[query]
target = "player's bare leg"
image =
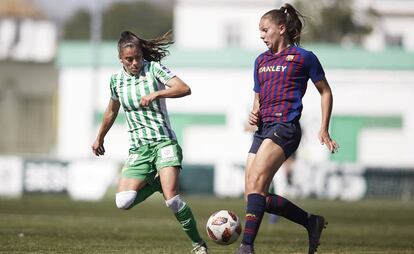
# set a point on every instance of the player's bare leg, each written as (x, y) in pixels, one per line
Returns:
(170, 182)
(259, 174)
(132, 191)
(126, 184)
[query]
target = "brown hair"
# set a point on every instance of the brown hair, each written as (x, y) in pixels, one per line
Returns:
(152, 49)
(287, 15)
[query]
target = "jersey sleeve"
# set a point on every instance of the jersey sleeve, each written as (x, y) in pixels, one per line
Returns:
(112, 85)
(316, 72)
(162, 73)
(256, 87)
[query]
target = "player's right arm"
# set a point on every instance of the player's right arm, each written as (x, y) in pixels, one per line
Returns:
(108, 119)
(254, 114)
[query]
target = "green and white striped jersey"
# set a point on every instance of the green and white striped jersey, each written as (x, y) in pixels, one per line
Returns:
(146, 124)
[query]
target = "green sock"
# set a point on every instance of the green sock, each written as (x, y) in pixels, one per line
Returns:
(188, 223)
(146, 191)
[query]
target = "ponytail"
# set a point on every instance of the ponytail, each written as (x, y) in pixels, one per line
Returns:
(292, 19)
(152, 49)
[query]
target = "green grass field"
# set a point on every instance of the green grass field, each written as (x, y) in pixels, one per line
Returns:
(55, 224)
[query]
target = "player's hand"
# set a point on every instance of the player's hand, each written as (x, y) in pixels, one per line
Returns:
(98, 148)
(325, 139)
(147, 99)
(254, 117)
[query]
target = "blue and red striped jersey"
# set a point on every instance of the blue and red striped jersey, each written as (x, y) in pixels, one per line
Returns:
(281, 81)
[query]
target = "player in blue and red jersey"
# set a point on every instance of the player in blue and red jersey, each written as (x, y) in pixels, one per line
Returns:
(280, 80)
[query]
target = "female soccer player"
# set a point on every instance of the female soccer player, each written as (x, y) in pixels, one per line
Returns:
(155, 157)
(280, 79)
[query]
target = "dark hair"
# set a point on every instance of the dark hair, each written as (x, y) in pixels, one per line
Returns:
(287, 15)
(152, 49)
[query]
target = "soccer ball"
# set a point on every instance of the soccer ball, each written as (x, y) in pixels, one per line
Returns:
(223, 227)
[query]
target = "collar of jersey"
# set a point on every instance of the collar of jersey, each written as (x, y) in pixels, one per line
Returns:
(269, 52)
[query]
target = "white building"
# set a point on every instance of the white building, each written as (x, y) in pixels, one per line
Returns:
(216, 24)
(394, 24)
(28, 79)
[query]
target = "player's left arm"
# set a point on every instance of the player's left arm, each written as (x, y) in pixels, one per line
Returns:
(177, 88)
(326, 106)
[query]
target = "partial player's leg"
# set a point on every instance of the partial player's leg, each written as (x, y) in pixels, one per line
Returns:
(137, 181)
(168, 164)
(279, 205)
(133, 191)
(273, 218)
(259, 174)
(169, 183)
(128, 192)
(314, 224)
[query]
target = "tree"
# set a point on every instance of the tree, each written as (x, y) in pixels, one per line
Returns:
(77, 28)
(333, 21)
(143, 18)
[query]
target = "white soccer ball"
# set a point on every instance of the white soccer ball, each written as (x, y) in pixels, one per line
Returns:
(223, 227)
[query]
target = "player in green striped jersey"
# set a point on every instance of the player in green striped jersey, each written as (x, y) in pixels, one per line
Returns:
(155, 157)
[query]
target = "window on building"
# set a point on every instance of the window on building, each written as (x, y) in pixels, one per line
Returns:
(393, 40)
(232, 35)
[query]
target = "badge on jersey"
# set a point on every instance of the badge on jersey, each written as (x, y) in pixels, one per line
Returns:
(290, 57)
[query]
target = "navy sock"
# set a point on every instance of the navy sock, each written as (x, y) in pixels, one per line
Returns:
(281, 206)
(254, 213)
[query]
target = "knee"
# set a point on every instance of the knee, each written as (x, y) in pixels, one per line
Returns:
(256, 182)
(175, 203)
(125, 199)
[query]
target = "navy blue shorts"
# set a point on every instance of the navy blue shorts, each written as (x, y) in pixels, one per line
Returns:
(286, 135)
